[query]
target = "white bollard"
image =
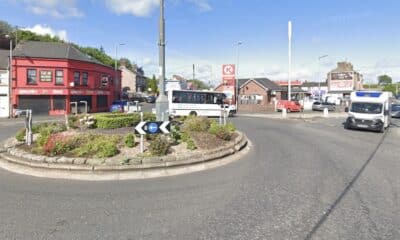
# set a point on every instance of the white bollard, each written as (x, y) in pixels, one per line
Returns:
(326, 112)
(284, 113)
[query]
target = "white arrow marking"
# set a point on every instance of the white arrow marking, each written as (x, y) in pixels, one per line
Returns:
(139, 128)
(163, 127)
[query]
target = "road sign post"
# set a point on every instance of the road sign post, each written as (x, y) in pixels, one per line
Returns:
(155, 127)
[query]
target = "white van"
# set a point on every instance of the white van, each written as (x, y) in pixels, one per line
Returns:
(369, 110)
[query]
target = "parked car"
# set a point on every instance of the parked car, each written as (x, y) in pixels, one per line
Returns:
(320, 106)
(290, 106)
(396, 110)
(118, 106)
(151, 99)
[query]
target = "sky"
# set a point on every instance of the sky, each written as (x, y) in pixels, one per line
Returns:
(206, 33)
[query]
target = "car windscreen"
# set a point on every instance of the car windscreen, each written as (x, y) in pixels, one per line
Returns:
(368, 108)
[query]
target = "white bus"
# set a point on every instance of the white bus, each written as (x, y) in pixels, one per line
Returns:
(197, 103)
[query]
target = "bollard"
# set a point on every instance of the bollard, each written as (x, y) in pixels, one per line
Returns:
(326, 112)
(141, 135)
(284, 113)
(220, 117)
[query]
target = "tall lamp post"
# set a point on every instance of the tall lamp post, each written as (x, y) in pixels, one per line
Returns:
(162, 100)
(237, 75)
(319, 80)
(10, 69)
(290, 59)
(116, 63)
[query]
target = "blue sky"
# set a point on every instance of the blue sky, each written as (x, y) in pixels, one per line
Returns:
(204, 33)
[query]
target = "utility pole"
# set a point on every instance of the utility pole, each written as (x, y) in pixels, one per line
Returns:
(162, 100)
(237, 76)
(290, 59)
(318, 73)
(10, 69)
(116, 82)
(194, 72)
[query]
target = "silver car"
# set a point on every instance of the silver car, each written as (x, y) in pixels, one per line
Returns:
(396, 110)
(320, 106)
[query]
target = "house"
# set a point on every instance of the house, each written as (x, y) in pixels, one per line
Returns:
(4, 87)
(51, 78)
(132, 80)
(344, 79)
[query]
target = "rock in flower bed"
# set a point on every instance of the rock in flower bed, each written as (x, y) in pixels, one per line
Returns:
(111, 138)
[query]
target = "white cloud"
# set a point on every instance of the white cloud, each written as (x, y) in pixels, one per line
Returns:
(139, 8)
(43, 30)
(203, 5)
(147, 61)
(53, 8)
(143, 8)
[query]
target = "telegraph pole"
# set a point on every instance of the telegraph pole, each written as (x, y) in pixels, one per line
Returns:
(290, 59)
(162, 100)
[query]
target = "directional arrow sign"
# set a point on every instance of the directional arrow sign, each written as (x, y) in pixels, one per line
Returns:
(153, 127)
(139, 128)
(165, 127)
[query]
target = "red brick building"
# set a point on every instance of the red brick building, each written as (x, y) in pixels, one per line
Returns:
(48, 77)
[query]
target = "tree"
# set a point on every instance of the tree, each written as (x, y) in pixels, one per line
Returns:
(390, 88)
(128, 63)
(5, 28)
(198, 84)
(384, 80)
(152, 83)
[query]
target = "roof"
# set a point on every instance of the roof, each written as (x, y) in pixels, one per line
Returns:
(52, 50)
(314, 84)
(4, 59)
(265, 82)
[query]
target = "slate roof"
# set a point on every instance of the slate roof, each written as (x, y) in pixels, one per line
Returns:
(314, 84)
(262, 81)
(4, 59)
(52, 50)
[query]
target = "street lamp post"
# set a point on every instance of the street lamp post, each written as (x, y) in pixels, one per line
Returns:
(237, 75)
(116, 64)
(162, 100)
(10, 69)
(290, 59)
(319, 80)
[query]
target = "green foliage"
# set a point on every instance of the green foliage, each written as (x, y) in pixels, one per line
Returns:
(190, 144)
(5, 28)
(129, 140)
(196, 124)
(153, 84)
(231, 127)
(384, 79)
(175, 134)
(116, 120)
(98, 55)
(198, 84)
(26, 35)
(45, 130)
(223, 132)
(58, 144)
(73, 121)
(159, 146)
(20, 136)
(101, 146)
(390, 88)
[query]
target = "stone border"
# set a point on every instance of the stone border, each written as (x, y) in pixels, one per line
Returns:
(19, 161)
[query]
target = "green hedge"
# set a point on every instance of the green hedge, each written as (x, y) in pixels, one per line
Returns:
(119, 120)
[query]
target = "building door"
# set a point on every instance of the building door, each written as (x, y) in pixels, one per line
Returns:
(40, 105)
(4, 105)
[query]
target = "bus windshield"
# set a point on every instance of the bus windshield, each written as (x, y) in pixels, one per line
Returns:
(368, 108)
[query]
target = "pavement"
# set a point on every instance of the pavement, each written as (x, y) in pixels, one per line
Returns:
(303, 179)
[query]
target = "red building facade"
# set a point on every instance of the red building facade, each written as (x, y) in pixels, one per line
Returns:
(54, 86)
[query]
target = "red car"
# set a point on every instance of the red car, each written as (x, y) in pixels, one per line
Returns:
(290, 106)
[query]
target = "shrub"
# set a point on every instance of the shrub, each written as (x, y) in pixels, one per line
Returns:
(97, 145)
(231, 127)
(175, 134)
(148, 116)
(58, 144)
(112, 121)
(196, 124)
(159, 146)
(221, 131)
(20, 136)
(72, 121)
(188, 140)
(46, 130)
(129, 140)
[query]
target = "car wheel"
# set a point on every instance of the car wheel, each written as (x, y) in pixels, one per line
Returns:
(193, 113)
(288, 110)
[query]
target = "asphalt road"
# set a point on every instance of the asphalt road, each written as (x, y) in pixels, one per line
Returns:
(302, 180)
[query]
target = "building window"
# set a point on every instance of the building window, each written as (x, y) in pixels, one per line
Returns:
(59, 77)
(77, 78)
(31, 76)
(84, 79)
